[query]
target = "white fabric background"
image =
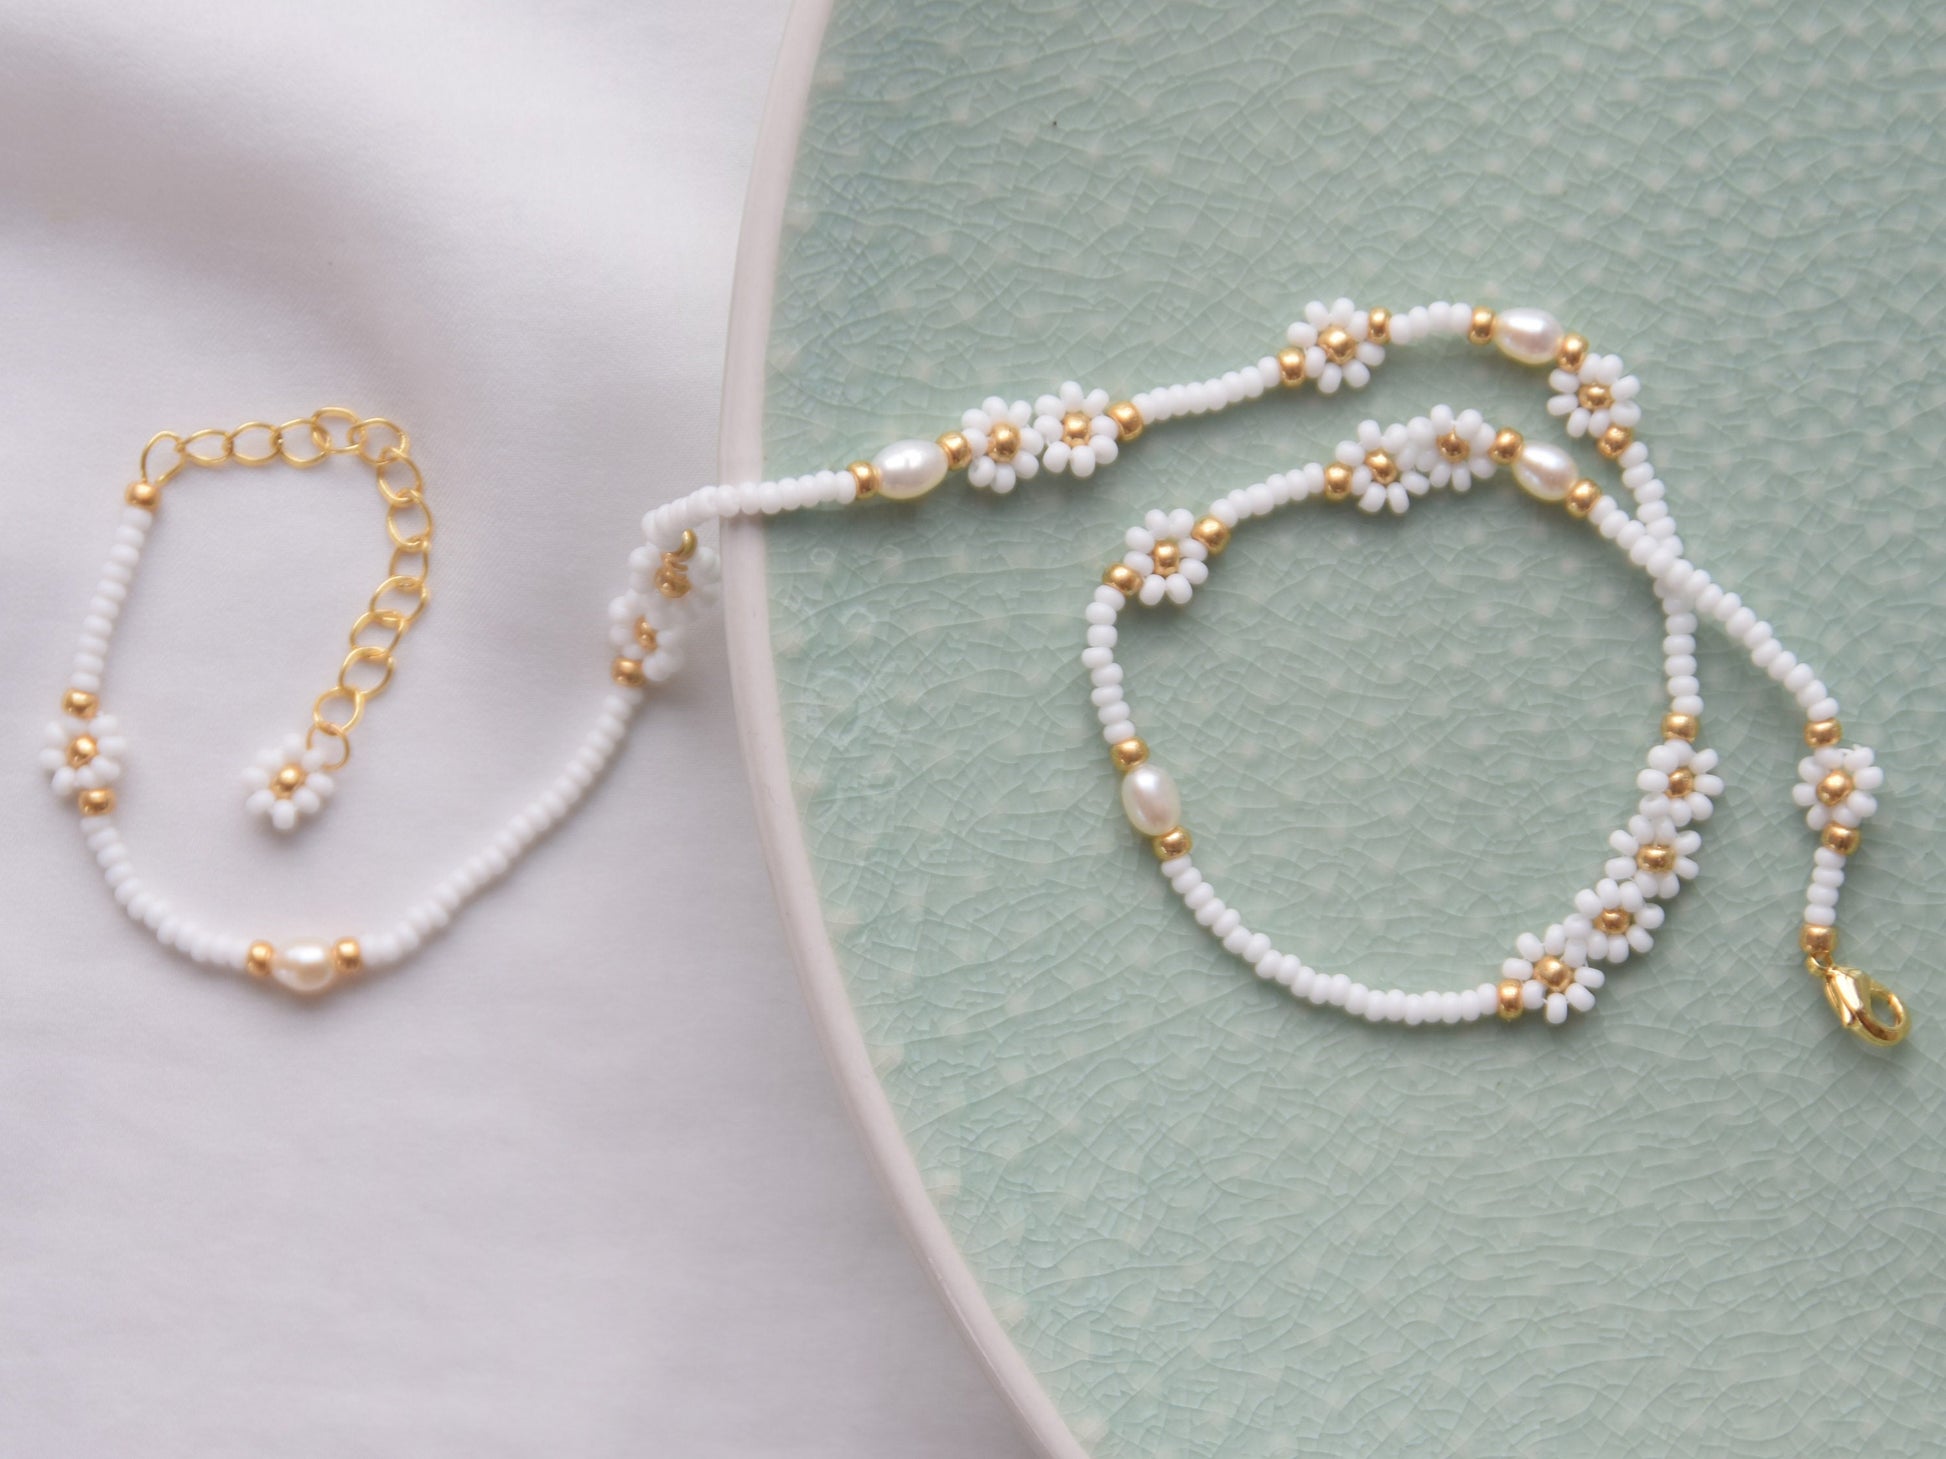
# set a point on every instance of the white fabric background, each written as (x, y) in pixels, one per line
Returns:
(576, 1181)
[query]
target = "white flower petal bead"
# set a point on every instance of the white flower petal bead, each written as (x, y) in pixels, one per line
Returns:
(908, 470)
(1150, 799)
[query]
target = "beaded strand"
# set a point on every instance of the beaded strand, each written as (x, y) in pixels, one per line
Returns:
(1001, 444)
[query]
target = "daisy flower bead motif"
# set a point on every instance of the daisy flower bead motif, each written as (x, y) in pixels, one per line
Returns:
(82, 754)
(1835, 786)
(1337, 344)
(1551, 972)
(1171, 562)
(1005, 443)
(287, 783)
(1595, 397)
(1654, 854)
(1383, 467)
(1613, 919)
(646, 636)
(1457, 449)
(1077, 432)
(1680, 783)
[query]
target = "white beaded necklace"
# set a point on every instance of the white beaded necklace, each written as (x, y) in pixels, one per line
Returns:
(1168, 558)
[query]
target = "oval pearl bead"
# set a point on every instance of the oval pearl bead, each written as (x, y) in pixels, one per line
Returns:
(908, 469)
(1527, 335)
(1150, 799)
(1546, 471)
(304, 967)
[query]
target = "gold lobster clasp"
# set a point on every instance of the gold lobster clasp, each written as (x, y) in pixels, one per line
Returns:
(1864, 1006)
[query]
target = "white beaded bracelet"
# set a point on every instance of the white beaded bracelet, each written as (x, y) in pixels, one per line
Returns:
(999, 445)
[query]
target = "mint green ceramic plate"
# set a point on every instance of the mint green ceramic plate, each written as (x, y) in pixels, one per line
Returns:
(1185, 1215)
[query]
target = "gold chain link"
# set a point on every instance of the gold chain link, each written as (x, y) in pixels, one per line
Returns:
(397, 603)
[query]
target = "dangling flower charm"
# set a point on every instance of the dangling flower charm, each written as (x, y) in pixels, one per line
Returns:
(1595, 397)
(1078, 432)
(1835, 786)
(287, 784)
(1337, 344)
(1006, 446)
(1171, 563)
(82, 754)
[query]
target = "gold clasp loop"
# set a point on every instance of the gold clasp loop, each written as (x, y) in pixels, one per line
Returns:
(1864, 1006)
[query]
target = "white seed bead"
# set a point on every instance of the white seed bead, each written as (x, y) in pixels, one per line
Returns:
(1150, 799)
(909, 469)
(1546, 471)
(1527, 335)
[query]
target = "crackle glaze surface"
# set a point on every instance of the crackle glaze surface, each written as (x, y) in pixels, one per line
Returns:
(1215, 1222)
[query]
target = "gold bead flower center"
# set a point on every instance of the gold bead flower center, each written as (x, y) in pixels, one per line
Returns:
(285, 782)
(1833, 789)
(1003, 441)
(1074, 428)
(1168, 558)
(1384, 469)
(1453, 446)
(82, 749)
(1338, 345)
(1682, 781)
(1594, 396)
(1553, 973)
(1656, 857)
(1614, 921)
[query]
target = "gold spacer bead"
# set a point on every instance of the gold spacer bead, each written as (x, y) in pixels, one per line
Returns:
(1833, 789)
(97, 802)
(258, 961)
(1818, 942)
(1572, 352)
(1123, 579)
(1553, 974)
(1822, 734)
(1128, 420)
(1509, 999)
(347, 956)
(1337, 481)
(1480, 331)
(1614, 441)
(82, 749)
(1581, 498)
(1003, 441)
(1378, 325)
(1841, 839)
(1213, 533)
(1290, 365)
(1506, 445)
(1656, 857)
(1682, 781)
(628, 673)
(80, 703)
(670, 580)
(867, 477)
(959, 452)
(1384, 469)
(1171, 844)
(1679, 726)
(1168, 558)
(1127, 754)
(1339, 344)
(645, 635)
(144, 494)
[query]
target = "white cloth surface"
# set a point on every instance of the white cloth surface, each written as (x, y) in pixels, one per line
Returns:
(575, 1181)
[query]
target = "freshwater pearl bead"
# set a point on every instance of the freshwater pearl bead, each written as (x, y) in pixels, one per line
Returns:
(1527, 335)
(1150, 799)
(304, 967)
(1545, 471)
(909, 469)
